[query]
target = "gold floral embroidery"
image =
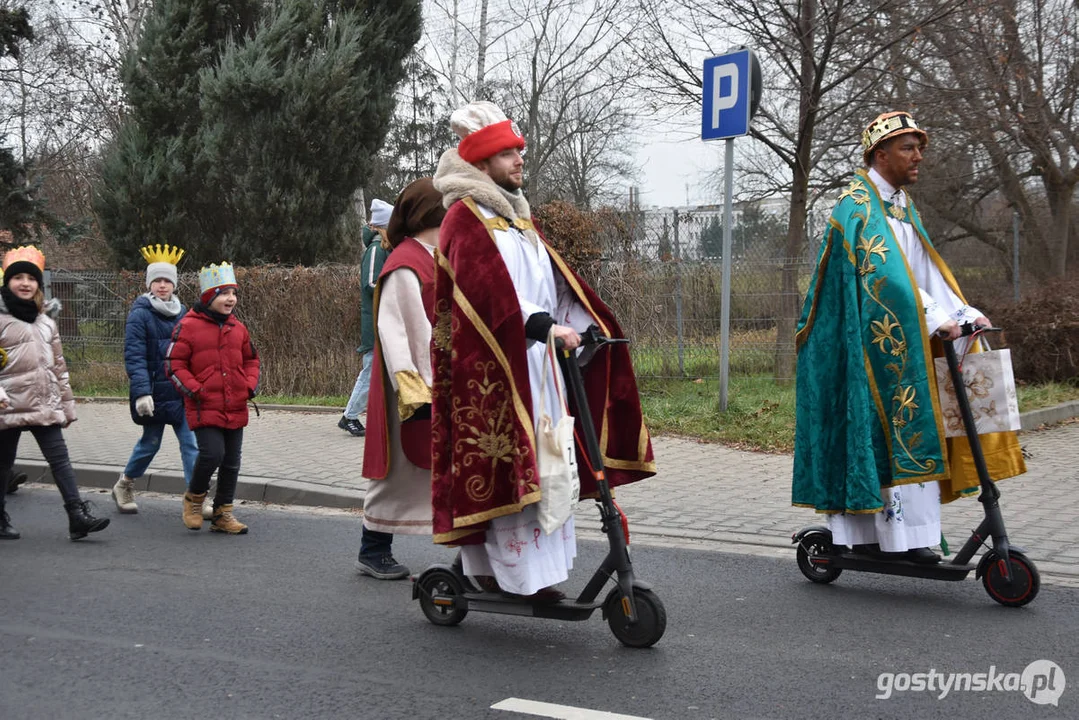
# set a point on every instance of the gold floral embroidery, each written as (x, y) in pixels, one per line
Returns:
(856, 191)
(486, 435)
(890, 339)
(441, 332)
(870, 247)
(883, 334)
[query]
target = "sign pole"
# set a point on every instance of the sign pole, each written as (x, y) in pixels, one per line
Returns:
(725, 316)
(731, 90)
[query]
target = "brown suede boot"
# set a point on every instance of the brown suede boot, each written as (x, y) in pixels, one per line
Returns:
(193, 510)
(225, 522)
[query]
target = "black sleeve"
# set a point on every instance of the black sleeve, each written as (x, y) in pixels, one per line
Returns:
(538, 326)
(423, 412)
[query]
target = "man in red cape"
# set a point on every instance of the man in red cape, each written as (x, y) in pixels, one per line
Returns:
(500, 291)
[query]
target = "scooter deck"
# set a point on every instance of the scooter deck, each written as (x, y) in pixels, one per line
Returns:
(498, 603)
(906, 568)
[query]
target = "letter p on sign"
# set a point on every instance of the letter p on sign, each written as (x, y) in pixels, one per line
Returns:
(721, 101)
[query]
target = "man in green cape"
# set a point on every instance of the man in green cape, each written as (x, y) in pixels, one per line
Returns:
(870, 448)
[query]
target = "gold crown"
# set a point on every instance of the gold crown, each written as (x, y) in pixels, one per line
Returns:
(24, 253)
(887, 125)
(155, 254)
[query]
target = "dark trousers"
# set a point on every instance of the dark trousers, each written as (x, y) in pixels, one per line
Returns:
(219, 449)
(50, 438)
(374, 543)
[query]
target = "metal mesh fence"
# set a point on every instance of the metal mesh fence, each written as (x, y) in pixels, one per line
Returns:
(94, 307)
(666, 289)
(661, 273)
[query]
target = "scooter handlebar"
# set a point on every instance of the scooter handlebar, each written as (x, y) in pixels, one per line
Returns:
(968, 329)
(592, 336)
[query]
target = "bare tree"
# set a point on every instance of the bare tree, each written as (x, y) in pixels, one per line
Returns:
(999, 86)
(824, 64)
(61, 98)
(559, 68)
(567, 82)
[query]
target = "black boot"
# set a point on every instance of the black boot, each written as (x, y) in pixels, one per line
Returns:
(80, 521)
(14, 480)
(6, 531)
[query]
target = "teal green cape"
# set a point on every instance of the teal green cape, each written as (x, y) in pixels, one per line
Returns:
(868, 412)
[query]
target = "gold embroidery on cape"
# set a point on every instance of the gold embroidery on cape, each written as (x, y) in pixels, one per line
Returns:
(442, 332)
(890, 340)
(462, 302)
(486, 435)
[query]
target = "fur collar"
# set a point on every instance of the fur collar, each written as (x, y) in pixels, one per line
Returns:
(457, 179)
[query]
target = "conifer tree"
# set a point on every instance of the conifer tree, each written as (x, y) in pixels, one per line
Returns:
(20, 209)
(151, 189)
(294, 118)
(249, 135)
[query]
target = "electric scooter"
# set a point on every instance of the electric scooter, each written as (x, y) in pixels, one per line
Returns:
(633, 611)
(1007, 574)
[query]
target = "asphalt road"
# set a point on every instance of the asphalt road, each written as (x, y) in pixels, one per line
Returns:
(149, 620)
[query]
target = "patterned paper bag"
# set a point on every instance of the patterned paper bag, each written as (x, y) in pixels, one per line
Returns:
(990, 389)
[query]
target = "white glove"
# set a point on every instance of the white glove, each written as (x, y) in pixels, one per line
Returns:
(3, 399)
(145, 405)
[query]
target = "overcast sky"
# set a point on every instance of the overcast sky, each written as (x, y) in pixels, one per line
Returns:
(675, 170)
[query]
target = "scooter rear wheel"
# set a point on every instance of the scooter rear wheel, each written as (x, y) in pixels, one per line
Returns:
(1025, 580)
(651, 618)
(438, 590)
(817, 545)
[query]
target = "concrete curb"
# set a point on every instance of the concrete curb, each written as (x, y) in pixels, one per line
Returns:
(276, 491)
(1032, 419)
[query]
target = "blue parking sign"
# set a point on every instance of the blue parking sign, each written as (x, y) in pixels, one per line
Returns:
(727, 95)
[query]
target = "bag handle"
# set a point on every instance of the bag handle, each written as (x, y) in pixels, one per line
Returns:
(558, 384)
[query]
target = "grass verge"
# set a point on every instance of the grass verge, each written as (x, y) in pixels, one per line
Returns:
(760, 413)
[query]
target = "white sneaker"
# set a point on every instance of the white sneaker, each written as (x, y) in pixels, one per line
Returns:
(123, 492)
(208, 509)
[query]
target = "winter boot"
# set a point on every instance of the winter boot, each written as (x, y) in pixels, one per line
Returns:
(80, 520)
(6, 531)
(193, 510)
(14, 481)
(123, 492)
(225, 522)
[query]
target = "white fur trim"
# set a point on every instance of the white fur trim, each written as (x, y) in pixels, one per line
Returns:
(475, 116)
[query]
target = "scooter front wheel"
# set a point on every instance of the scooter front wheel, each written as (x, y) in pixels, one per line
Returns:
(438, 593)
(1024, 584)
(814, 553)
(651, 618)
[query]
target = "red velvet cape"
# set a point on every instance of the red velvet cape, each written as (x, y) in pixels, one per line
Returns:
(483, 436)
(411, 255)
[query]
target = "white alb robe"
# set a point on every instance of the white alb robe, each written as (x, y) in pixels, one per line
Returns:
(911, 515)
(522, 558)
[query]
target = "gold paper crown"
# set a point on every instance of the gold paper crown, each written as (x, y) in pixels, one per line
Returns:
(213, 276)
(889, 125)
(155, 254)
(25, 253)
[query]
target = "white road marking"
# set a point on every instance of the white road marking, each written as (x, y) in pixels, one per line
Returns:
(560, 712)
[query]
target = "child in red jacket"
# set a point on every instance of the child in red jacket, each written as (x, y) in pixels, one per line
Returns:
(213, 363)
